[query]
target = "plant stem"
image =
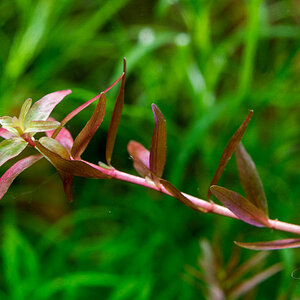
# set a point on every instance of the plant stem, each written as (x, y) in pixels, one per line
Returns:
(205, 205)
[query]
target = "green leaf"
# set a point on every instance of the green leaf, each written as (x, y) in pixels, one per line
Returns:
(54, 146)
(41, 126)
(240, 206)
(271, 245)
(74, 167)
(24, 110)
(250, 179)
(84, 137)
(140, 156)
(159, 143)
(229, 149)
(11, 148)
(178, 195)
(41, 110)
(115, 119)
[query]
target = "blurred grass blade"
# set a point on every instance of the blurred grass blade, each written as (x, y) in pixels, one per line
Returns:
(115, 119)
(9, 176)
(240, 206)
(140, 156)
(159, 143)
(67, 180)
(41, 110)
(83, 138)
(11, 148)
(54, 146)
(74, 167)
(229, 149)
(178, 195)
(271, 245)
(250, 179)
(250, 283)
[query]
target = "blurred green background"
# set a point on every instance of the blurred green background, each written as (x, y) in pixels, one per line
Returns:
(205, 64)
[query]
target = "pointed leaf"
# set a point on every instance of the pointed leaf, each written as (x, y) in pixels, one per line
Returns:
(9, 176)
(115, 119)
(240, 206)
(6, 134)
(54, 146)
(250, 179)
(178, 195)
(255, 280)
(41, 110)
(271, 245)
(159, 143)
(11, 148)
(24, 110)
(74, 167)
(84, 137)
(67, 180)
(64, 137)
(6, 121)
(41, 126)
(140, 156)
(229, 149)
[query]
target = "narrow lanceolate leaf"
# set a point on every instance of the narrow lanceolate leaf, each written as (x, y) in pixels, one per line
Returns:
(84, 137)
(54, 146)
(240, 206)
(229, 149)
(64, 137)
(271, 245)
(24, 110)
(140, 156)
(9, 176)
(41, 126)
(178, 195)
(74, 167)
(41, 110)
(6, 134)
(11, 148)
(115, 119)
(250, 179)
(159, 143)
(67, 181)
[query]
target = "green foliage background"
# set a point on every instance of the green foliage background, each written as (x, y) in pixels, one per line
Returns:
(205, 64)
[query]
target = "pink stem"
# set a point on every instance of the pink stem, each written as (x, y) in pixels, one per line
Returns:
(208, 206)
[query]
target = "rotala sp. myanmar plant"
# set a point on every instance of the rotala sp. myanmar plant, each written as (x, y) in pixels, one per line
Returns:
(64, 153)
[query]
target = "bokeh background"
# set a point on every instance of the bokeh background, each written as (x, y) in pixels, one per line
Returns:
(205, 64)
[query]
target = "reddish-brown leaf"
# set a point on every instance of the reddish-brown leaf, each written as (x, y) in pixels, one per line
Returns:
(115, 119)
(229, 149)
(159, 143)
(178, 195)
(83, 138)
(74, 167)
(271, 245)
(240, 206)
(67, 180)
(250, 179)
(140, 156)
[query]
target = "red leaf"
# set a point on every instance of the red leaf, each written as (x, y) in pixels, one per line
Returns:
(271, 245)
(159, 143)
(115, 119)
(178, 195)
(9, 176)
(67, 180)
(84, 137)
(74, 167)
(6, 134)
(250, 179)
(140, 156)
(229, 149)
(240, 206)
